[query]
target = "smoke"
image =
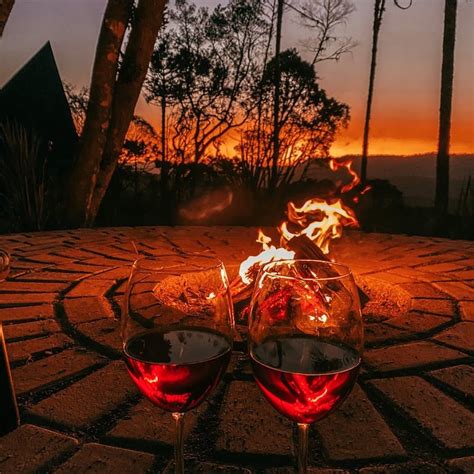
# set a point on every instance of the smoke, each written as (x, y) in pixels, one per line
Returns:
(207, 206)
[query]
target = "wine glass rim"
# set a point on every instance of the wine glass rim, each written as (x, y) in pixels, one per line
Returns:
(184, 267)
(346, 270)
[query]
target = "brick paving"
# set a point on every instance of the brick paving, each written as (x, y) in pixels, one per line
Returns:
(410, 412)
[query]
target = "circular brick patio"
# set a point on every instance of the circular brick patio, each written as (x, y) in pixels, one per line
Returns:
(411, 411)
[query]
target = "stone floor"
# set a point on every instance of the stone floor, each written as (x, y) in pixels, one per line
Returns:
(410, 412)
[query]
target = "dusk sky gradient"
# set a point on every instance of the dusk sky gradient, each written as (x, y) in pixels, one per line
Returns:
(406, 101)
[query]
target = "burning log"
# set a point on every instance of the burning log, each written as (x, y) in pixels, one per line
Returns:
(305, 235)
(301, 247)
(305, 248)
(241, 291)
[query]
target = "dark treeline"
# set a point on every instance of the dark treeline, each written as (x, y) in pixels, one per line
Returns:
(214, 78)
(241, 119)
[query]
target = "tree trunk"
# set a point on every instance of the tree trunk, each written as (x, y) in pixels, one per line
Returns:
(166, 207)
(258, 161)
(447, 73)
(93, 139)
(379, 8)
(163, 127)
(276, 101)
(147, 22)
(5, 10)
(196, 151)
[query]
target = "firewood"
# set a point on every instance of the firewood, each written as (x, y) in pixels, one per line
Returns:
(305, 249)
(240, 291)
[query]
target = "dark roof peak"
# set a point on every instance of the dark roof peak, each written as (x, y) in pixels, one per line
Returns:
(35, 97)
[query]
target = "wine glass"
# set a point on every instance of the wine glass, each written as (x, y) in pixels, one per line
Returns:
(177, 332)
(305, 340)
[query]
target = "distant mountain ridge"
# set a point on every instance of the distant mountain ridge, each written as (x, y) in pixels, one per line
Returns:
(423, 164)
(414, 175)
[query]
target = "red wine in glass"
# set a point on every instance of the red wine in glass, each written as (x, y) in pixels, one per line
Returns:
(302, 377)
(177, 332)
(177, 369)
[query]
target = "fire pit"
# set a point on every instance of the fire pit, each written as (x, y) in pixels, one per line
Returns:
(79, 410)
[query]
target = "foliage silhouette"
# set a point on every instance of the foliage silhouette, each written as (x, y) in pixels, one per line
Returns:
(23, 157)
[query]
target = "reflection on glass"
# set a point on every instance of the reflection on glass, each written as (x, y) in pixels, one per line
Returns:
(305, 340)
(177, 332)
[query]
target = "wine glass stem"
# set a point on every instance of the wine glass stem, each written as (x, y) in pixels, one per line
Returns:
(302, 447)
(178, 447)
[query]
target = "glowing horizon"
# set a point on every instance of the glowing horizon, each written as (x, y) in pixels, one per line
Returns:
(406, 100)
(396, 147)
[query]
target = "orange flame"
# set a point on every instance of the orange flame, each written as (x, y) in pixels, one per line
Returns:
(338, 163)
(263, 239)
(319, 219)
(322, 221)
(269, 254)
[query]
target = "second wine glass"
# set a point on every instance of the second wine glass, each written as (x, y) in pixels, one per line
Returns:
(305, 340)
(177, 331)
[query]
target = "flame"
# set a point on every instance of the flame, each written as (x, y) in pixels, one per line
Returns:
(331, 218)
(269, 254)
(339, 163)
(264, 240)
(321, 220)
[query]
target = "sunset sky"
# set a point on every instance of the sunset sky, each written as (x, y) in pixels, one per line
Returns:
(405, 113)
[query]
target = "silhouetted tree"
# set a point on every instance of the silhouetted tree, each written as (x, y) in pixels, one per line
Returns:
(307, 120)
(201, 71)
(447, 73)
(106, 64)
(114, 92)
(276, 98)
(77, 100)
(321, 17)
(159, 86)
(379, 9)
(269, 11)
(160, 91)
(5, 9)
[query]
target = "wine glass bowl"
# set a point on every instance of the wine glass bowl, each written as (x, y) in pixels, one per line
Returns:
(177, 331)
(305, 339)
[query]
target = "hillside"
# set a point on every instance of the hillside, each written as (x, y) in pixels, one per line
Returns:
(414, 175)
